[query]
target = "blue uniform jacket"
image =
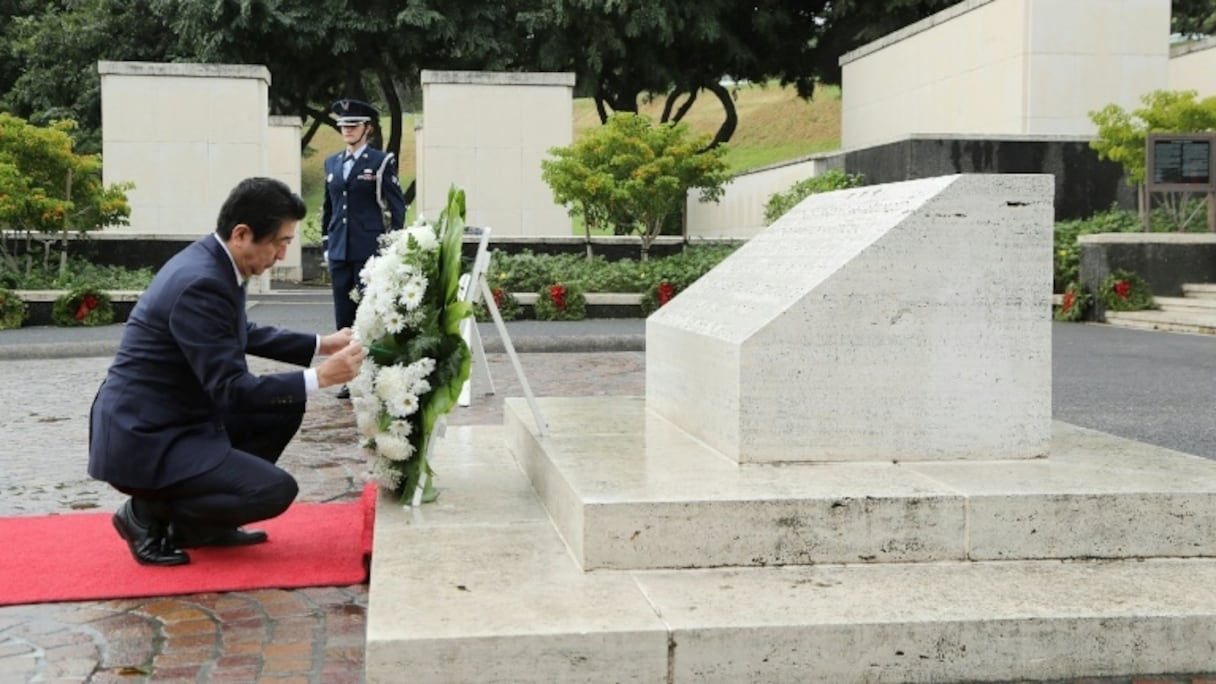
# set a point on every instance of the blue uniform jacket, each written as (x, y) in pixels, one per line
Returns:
(180, 368)
(351, 219)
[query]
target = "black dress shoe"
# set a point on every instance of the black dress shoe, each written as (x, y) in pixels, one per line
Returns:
(344, 393)
(149, 544)
(194, 537)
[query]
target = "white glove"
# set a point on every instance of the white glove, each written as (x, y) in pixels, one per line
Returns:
(325, 259)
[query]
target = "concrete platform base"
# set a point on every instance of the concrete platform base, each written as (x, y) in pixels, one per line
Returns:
(630, 490)
(486, 584)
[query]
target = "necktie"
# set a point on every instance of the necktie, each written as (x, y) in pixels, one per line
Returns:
(348, 162)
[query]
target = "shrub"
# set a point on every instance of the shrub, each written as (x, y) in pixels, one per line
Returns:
(659, 294)
(1125, 291)
(41, 272)
(83, 306)
(1067, 252)
(633, 176)
(12, 310)
(528, 272)
(561, 302)
(832, 179)
(508, 306)
(1075, 301)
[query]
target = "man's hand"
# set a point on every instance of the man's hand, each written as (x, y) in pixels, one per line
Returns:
(336, 341)
(342, 366)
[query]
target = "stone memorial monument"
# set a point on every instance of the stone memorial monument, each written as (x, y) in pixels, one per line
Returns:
(843, 470)
(901, 322)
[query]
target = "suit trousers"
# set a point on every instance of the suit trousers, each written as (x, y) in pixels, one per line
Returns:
(345, 278)
(246, 487)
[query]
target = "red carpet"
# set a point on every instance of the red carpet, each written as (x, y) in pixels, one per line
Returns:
(80, 557)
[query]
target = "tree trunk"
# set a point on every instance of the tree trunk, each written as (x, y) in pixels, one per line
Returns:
(671, 100)
(1142, 202)
(732, 117)
(318, 118)
(63, 252)
(389, 88)
(606, 98)
(649, 233)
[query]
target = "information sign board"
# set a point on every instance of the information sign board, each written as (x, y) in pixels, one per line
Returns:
(1181, 162)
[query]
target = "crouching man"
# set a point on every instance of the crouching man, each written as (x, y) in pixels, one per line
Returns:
(179, 423)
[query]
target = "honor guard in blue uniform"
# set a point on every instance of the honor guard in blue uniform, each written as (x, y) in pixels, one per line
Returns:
(363, 199)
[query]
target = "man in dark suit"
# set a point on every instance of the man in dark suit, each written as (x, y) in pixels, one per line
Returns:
(363, 199)
(179, 423)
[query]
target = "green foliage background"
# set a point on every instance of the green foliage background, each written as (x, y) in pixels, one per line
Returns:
(832, 179)
(630, 175)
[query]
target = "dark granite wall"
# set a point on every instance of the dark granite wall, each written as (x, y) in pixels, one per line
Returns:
(1084, 183)
(1164, 266)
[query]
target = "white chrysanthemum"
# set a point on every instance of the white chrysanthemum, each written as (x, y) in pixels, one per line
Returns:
(368, 324)
(420, 387)
(394, 448)
(363, 384)
(367, 416)
(423, 367)
(388, 238)
(411, 292)
(392, 380)
(394, 385)
(400, 428)
(384, 473)
(395, 322)
(425, 236)
(402, 406)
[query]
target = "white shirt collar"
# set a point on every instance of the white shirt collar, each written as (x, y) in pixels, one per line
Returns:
(359, 152)
(236, 272)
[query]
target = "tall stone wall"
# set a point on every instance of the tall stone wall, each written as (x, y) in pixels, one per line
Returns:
(487, 132)
(1005, 67)
(185, 135)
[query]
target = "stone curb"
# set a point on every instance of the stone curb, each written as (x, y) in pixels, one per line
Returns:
(568, 343)
(493, 345)
(58, 350)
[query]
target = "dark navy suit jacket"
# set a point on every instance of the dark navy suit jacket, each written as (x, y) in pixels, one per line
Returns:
(180, 368)
(351, 219)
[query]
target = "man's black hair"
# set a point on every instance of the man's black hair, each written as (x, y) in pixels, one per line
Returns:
(263, 204)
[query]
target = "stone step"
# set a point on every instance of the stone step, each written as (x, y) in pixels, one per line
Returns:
(629, 490)
(1196, 322)
(1199, 290)
(479, 586)
(1187, 304)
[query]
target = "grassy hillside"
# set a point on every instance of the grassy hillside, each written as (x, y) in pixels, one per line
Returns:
(774, 125)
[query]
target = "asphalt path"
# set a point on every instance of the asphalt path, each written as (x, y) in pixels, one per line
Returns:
(1153, 387)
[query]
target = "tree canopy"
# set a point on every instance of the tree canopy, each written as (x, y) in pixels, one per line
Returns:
(631, 175)
(1193, 18)
(45, 186)
(1122, 135)
(317, 52)
(58, 44)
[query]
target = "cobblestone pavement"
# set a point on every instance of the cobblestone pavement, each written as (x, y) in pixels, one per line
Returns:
(303, 635)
